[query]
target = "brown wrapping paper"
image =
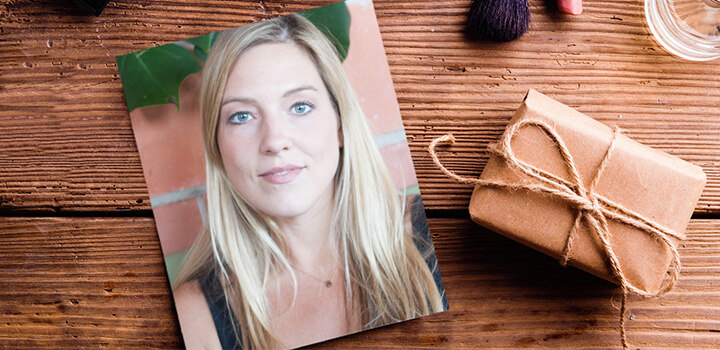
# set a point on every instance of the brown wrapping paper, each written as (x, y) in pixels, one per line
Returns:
(654, 184)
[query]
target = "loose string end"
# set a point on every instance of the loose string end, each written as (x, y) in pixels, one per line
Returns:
(447, 138)
(623, 311)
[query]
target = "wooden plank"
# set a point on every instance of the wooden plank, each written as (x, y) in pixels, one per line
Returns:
(91, 282)
(82, 283)
(66, 142)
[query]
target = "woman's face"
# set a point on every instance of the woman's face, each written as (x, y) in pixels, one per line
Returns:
(278, 132)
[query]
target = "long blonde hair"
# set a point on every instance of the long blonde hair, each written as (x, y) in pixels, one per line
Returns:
(385, 274)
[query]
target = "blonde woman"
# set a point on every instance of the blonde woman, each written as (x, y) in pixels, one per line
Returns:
(306, 239)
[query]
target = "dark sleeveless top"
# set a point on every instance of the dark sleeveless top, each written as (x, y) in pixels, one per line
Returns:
(224, 320)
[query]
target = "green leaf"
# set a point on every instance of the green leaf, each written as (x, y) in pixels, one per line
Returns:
(153, 76)
(334, 21)
(203, 44)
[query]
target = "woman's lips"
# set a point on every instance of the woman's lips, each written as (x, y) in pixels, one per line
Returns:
(281, 175)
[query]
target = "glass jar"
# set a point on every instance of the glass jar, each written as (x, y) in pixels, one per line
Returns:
(687, 28)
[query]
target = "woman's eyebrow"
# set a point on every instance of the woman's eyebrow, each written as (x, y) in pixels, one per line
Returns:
(251, 100)
(237, 99)
(298, 89)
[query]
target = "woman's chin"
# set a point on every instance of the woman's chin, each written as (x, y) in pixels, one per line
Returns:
(284, 210)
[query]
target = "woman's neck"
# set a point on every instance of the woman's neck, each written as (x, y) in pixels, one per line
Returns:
(295, 313)
(309, 239)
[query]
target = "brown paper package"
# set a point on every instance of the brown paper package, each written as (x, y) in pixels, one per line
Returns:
(654, 184)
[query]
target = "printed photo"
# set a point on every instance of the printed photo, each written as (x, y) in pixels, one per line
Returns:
(281, 181)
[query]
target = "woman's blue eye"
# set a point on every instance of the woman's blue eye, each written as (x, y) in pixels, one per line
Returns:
(302, 108)
(240, 118)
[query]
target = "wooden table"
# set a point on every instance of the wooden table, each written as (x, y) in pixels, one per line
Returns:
(80, 263)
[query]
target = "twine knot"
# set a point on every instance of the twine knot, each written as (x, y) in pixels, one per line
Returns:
(592, 208)
(587, 205)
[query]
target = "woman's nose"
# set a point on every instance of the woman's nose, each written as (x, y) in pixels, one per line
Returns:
(275, 135)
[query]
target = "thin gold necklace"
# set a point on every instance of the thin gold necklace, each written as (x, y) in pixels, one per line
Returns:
(327, 282)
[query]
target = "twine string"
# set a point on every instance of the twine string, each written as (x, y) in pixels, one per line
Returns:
(592, 209)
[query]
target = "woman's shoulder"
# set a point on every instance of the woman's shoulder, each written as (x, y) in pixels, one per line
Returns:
(188, 293)
(196, 321)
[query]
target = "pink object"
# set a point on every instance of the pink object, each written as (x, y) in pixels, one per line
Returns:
(573, 7)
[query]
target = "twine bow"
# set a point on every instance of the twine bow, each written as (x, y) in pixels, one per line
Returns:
(592, 208)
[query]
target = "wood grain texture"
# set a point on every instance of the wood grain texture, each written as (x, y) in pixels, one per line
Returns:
(67, 149)
(66, 144)
(84, 283)
(99, 282)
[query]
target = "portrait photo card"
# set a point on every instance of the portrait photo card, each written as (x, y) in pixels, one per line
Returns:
(281, 182)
